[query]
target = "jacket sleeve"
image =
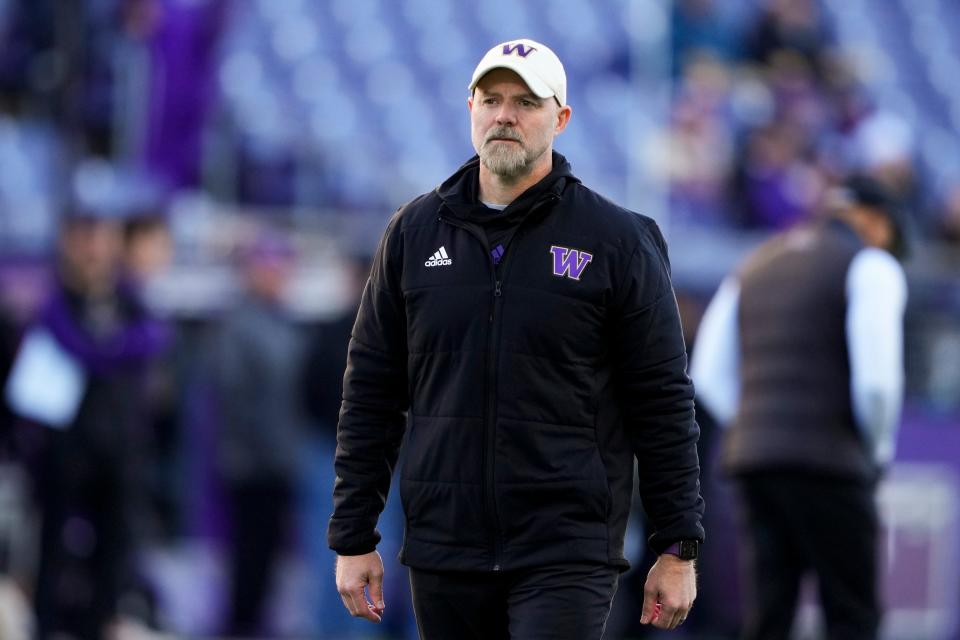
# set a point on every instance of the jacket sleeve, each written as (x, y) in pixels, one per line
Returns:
(656, 395)
(372, 415)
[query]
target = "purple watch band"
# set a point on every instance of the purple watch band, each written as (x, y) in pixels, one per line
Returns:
(684, 549)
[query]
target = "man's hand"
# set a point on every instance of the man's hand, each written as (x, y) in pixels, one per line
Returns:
(354, 574)
(669, 592)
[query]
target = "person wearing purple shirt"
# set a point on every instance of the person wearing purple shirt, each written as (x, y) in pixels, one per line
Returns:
(87, 470)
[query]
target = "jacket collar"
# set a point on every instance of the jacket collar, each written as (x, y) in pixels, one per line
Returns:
(459, 192)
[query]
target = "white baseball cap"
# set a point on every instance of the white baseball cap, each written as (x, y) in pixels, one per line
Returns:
(539, 67)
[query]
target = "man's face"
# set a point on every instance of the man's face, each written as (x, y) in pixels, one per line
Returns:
(90, 250)
(875, 228)
(511, 128)
(269, 278)
(148, 250)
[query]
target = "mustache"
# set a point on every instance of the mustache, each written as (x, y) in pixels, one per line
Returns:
(504, 134)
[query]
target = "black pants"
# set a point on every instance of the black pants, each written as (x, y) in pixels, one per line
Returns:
(795, 523)
(260, 510)
(84, 542)
(557, 602)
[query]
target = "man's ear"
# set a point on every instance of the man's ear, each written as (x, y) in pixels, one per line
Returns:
(563, 118)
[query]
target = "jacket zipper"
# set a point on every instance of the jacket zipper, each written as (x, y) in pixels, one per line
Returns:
(490, 429)
(492, 363)
(487, 487)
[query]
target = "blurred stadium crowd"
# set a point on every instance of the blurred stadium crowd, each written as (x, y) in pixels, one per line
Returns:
(222, 170)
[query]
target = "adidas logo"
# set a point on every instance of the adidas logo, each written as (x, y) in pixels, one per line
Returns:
(439, 259)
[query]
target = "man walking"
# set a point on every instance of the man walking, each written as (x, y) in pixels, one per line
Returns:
(520, 334)
(801, 352)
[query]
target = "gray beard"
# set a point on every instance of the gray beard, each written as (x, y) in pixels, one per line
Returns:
(503, 160)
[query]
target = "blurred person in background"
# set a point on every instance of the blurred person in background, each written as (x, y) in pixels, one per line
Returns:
(794, 25)
(523, 332)
(258, 364)
(147, 253)
(778, 182)
(801, 354)
(148, 247)
(85, 476)
(695, 154)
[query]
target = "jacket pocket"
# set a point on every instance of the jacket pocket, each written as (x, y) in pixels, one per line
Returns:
(551, 482)
(440, 487)
(446, 514)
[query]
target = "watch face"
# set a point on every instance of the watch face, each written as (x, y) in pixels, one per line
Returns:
(689, 549)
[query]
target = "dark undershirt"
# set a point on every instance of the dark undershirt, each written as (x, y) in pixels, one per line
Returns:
(498, 236)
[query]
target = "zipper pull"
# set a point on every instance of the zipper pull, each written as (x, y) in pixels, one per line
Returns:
(496, 291)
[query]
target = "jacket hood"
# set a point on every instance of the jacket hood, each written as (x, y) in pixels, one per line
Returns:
(460, 191)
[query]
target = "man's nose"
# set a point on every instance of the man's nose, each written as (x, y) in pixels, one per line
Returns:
(507, 114)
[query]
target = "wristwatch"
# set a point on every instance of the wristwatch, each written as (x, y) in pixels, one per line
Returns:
(684, 549)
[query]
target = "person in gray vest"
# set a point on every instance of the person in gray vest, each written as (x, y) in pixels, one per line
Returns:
(800, 353)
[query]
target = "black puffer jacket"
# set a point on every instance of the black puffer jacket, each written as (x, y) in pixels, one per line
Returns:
(529, 388)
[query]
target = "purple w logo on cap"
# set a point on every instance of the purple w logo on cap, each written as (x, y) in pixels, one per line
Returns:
(519, 48)
(569, 263)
